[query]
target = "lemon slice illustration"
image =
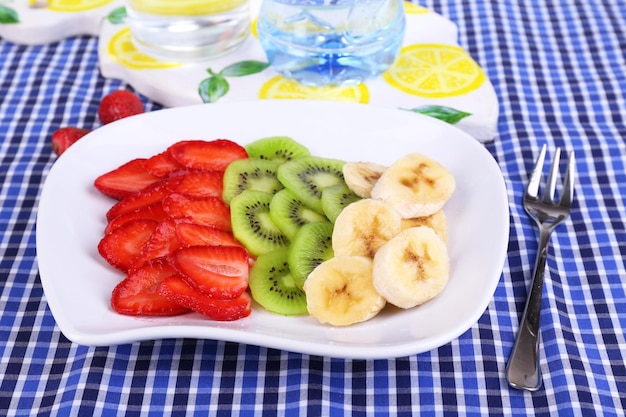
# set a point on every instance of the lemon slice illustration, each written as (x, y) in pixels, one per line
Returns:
(122, 49)
(412, 8)
(434, 71)
(75, 5)
(185, 7)
(281, 87)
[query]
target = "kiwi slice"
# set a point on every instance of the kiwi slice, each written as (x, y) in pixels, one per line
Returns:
(250, 174)
(273, 286)
(289, 213)
(307, 176)
(311, 246)
(252, 224)
(277, 148)
(335, 198)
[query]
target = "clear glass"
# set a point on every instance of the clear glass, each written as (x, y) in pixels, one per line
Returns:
(188, 30)
(341, 42)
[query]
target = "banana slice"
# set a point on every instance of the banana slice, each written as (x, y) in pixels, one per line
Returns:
(411, 268)
(340, 291)
(360, 177)
(436, 221)
(415, 185)
(364, 226)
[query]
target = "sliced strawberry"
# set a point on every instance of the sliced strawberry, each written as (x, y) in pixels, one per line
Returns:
(162, 242)
(198, 183)
(137, 295)
(217, 271)
(207, 155)
(162, 165)
(152, 212)
(174, 288)
(207, 211)
(125, 180)
(148, 196)
(191, 234)
(123, 245)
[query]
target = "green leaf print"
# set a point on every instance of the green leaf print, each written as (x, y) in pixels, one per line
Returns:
(213, 88)
(239, 69)
(8, 15)
(446, 114)
(117, 16)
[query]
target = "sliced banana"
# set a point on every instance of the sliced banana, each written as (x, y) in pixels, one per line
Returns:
(415, 185)
(360, 177)
(436, 221)
(340, 291)
(364, 226)
(411, 268)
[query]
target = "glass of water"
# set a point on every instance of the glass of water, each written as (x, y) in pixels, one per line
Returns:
(188, 30)
(340, 42)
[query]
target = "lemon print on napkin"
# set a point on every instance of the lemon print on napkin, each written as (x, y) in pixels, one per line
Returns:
(435, 71)
(412, 8)
(281, 87)
(75, 5)
(186, 7)
(122, 49)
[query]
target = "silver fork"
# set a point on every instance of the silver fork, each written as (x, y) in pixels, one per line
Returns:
(522, 371)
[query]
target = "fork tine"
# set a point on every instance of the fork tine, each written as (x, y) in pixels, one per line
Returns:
(568, 183)
(548, 195)
(532, 188)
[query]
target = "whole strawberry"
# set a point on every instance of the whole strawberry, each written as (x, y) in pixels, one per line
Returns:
(64, 137)
(119, 104)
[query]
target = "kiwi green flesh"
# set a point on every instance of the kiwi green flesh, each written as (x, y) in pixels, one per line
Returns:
(250, 174)
(252, 224)
(277, 148)
(335, 198)
(307, 176)
(311, 246)
(289, 213)
(273, 287)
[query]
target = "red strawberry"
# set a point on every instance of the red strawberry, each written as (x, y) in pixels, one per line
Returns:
(190, 234)
(198, 184)
(219, 272)
(162, 242)
(137, 294)
(64, 137)
(118, 105)
(207, 211)
(148, 196)
(152, 212)
(125, 180)
(123, 245)
(174, 288)
(162, 165)
(207, 155)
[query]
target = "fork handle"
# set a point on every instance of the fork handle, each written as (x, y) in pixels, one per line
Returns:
(522, 371)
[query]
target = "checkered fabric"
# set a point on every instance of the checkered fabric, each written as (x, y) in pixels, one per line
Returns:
(559, 70)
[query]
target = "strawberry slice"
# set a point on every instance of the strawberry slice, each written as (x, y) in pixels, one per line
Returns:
(175, 289)
(207, 211)
(136, 295)
(152, 212)
(198, 183)
(148, 196)
(219, 272)
(162, 242)
(207, 155)
(162, 165)
(123, 245)
(125, 180)
(191, 234)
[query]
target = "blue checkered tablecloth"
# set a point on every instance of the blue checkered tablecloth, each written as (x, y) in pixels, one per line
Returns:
(559, 70)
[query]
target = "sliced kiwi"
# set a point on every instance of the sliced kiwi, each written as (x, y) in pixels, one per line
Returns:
(277, 148)
(289, 213)
(252, 224)
(307, 176)
(250, 174)
(273, 286)
(335, 198)
(311, 246)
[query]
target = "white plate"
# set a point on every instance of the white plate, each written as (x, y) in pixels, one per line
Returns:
(71, 220)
